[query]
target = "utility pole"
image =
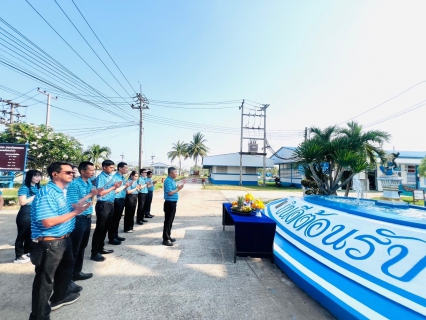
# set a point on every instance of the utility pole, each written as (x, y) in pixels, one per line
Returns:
(122, 156)
(142, 104)
(152, 159)
(253, 147)
(241, 144)
(265, 106)
(12, 105)
(49, 96)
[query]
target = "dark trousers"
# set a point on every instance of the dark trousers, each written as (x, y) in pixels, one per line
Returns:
(169, 216)
(147, 205)
(53, 262)
(104, 212)
(116, 217)
(141, 203)
(80, 238)
(130, 210)
(23, 243)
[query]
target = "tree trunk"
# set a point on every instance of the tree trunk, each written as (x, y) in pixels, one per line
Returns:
(348, 187)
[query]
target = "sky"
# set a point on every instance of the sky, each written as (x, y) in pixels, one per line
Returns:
(315, 63)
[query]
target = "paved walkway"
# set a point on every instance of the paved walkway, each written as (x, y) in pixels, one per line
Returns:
(142, 279)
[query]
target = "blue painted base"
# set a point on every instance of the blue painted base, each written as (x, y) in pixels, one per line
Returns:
(234, 183)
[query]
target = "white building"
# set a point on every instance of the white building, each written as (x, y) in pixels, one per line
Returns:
(289, 171)
(225, 168)
(159, 168)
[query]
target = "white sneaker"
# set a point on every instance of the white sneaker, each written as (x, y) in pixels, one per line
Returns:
(129, 231)
(22, 259)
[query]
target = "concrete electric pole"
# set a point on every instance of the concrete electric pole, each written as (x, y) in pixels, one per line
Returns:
(49, 96)
(142, 104)
(12, 114)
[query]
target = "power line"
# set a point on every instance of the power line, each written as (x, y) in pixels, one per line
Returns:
(384, 102)
(102, 45)
(90, 46)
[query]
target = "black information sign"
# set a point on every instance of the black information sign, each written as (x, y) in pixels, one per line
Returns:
(12, 156)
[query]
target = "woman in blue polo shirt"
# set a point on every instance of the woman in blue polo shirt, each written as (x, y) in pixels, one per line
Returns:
(130, 202)
(26, 194)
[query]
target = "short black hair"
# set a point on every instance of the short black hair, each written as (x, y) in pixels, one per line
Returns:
(170, 169)
(83, 165)
(132, 174)
(73, 166)
(142, 170)
(29, 177)
(107, 163)
(148, 172)
(56, 167)
(121, 165)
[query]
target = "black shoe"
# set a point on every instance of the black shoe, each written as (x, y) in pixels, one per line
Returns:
(115, 242)
(70, 298)
(97, 257)
(140, 222)
(74, 288)
(144, 220)
(149, 216)
(173, 239)
(106, 251)
(81, 276)
(120, 238)
(167, 243)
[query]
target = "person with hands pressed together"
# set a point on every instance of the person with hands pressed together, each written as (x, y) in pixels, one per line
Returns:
(143, 192)
(148, 200)
(119, 200)
(131, 202)
(82, 190)
(52, 220)
(170, 200)
(104, 210)
(26, 193)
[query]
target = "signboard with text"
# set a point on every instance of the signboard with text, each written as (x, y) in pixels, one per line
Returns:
(12, 156)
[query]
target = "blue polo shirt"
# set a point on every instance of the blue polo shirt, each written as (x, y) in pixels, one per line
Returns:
(170, 185)
(28, 192)
(133, 186)
(143, 181)
(122, 193)
(78, 190)
(106, 181)
(50, 202)
(152, 187)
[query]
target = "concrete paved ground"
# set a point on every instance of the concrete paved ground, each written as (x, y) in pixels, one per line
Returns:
(142, 279)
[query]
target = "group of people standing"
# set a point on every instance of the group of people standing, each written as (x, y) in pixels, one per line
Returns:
(54, 223)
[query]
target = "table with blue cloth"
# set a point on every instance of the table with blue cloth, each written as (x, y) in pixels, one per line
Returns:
(254, 235)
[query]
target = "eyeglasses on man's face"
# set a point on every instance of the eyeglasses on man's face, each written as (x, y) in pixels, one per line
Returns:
(67, 172)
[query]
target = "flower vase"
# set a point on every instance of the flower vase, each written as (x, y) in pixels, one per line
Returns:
(257, 212)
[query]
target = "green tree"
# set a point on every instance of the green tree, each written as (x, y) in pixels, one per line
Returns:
(332, 151)
(370, 143)
(179, 150)
(95, 152)
(45, 145)
(422, 168)
(196, 148)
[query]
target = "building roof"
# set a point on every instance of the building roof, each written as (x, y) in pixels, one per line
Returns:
(233, 160)
(409, 154)
(159, 165)
(284, 155)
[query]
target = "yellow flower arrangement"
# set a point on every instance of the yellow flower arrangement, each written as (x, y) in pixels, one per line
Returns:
(249, 197)
(258, 204)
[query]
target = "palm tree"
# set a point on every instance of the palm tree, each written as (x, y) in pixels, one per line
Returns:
(95, 152)
(369, 143)
(179, 150)
(197, 148)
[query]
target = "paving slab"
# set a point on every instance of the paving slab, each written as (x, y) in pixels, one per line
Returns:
(142, 279)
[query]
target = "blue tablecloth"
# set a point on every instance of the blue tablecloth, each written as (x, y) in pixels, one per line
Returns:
(254, 236)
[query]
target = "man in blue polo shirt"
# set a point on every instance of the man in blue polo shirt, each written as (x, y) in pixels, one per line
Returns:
(52, 220)
(148, 200)
(143, 192)
(104, 210)
(82, 190)
(120, 197)
(170, 200)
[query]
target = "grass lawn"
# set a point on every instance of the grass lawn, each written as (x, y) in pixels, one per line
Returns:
(406, 199)
(270, 186)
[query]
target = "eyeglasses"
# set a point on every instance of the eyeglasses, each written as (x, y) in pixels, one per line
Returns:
(68, 172)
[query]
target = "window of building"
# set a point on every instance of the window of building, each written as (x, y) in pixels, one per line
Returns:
(221, 169)
(251, 170)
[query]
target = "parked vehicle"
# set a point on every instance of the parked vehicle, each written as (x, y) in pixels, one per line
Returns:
(278, 182)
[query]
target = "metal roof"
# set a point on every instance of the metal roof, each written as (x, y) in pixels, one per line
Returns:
(233, 160)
